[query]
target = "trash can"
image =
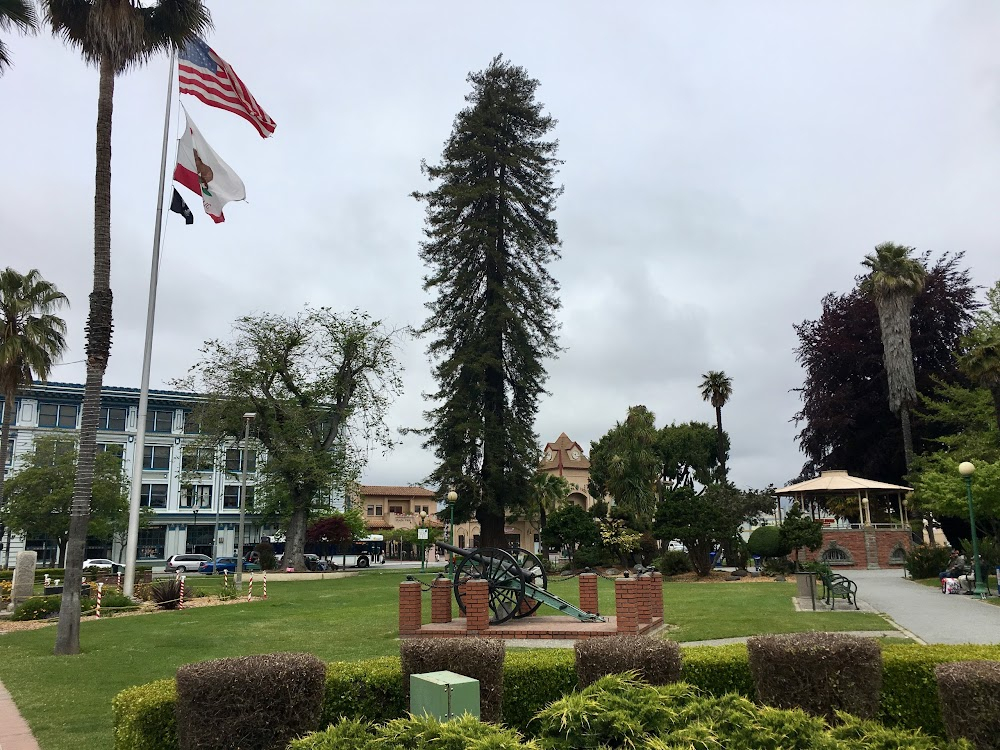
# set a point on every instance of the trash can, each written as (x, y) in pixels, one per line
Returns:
(805, 587)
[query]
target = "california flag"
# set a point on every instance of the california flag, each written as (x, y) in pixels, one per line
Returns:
(201, 171)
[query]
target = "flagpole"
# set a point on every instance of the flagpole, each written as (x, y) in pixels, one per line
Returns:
(132, 540)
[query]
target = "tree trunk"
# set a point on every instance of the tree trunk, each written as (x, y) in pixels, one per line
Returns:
(904, 418)
(98, 350)
(491, 528)
(295, 539)
(721, 444)
(8, 420)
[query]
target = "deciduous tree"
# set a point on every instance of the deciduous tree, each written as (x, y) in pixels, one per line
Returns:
(799, 530)
(570, 527)
(490, 240)
(320, 384)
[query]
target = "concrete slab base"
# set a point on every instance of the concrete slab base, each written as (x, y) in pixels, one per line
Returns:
(535, 629)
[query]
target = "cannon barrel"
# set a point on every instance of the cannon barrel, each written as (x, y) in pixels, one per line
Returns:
(528, 573)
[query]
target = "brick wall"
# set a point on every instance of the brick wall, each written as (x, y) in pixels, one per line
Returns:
(852, 541)
(626, 606)
(588, 593)
(441, 600)
(477, 610)
(409, 607)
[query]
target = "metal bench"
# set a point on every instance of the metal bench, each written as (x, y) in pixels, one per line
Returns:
(836, 586)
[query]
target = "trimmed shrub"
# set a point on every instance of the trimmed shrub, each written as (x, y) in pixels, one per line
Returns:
(143, 717)
(464, 733)
(41, 607)
(766, 542)
(478, 658)
(112, 603)
(653, 660)
(969, 692)
(589, 556)
(674, 562)
(927, 561)
(265, 556)
(718, 670)
(166, 593)
(821, 673)
(370, 690)
(532, 679)
(278, 697)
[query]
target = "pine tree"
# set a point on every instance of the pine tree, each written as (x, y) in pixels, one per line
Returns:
(490, 237)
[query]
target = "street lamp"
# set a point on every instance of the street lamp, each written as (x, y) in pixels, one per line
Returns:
(867, 520)
(452, 497)
(965, 469)
(194, 529)
(244, 461)
(423, 546)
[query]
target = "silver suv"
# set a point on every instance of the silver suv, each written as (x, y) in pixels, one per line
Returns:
(185, 563)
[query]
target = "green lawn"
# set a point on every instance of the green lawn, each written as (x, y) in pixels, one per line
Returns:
(67, 700)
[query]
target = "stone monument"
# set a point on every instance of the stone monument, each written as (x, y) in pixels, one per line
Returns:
(24, 578)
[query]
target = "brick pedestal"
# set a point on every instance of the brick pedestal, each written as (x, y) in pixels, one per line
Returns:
(409, 607)
(627, 613)
(526, 605)
(441, 600)
(643, 602)
(477, 611)
(656, 586)
(588, 593)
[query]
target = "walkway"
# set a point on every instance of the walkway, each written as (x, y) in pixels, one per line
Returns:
(14, 732)
(925, 611)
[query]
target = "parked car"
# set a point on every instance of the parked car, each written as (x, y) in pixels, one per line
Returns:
(225, 564)
(185, 563)
(675, 545)
(102, 563)
(314, 563)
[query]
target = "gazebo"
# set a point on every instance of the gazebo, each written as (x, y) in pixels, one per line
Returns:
(839, 482)
(865, 544)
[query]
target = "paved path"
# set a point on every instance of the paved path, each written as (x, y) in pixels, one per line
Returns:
(14, 732)
(926, 612)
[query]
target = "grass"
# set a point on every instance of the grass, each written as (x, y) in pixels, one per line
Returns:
(67, 700)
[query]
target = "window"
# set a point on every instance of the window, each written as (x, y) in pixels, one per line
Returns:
(116, 448)
(113, 418)
(159, 421)
(152, 541)
(835, 554)
(191, 426)
(4, 406)
(153, 496)
(374, 510)
(231, 497)
(461, 541)
(57, 415)
(234, 460)
(198, 459)
(156, 457)
(396, 509)
(197, 496)
(10, 449)
(58, 448)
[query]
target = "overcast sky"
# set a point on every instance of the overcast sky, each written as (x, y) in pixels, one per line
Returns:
(726, 165)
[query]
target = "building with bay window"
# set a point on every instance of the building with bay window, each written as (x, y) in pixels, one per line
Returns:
(192, 491)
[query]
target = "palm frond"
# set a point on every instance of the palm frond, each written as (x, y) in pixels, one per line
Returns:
(19, 14)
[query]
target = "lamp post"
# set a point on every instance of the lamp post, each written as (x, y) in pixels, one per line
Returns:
(244, 461)
(423, 544)
(867, 520)
(452, 497)
(965, 469)
(194, 529)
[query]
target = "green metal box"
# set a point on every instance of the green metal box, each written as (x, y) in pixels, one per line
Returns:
(444, 695)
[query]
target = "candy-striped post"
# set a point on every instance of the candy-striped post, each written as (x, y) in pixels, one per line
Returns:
(180, 603)
(250, 588)
(100, 588)
(265, 583)
(119, 582)
(225, 578)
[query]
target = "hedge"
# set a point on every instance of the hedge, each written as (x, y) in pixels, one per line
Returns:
(373, 690)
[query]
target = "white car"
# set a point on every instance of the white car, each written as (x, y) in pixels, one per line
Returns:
(676, 546)
(103, 564)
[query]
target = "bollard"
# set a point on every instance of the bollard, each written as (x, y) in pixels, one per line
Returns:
(264, 573)
(48, 581)
(120, 589)
(225, 578)
(180, 602)
(100, 587)
(250, 589)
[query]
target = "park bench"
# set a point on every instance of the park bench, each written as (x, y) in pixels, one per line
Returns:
(836, 586)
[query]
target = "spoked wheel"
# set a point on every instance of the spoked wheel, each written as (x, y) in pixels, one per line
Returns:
(529, 561)
(501, 571)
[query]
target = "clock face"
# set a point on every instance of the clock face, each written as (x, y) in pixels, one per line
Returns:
(575, 455)
(548, 455)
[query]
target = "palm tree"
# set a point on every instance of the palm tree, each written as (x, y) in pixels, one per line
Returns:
(549, 491)
(114, 35)
(894, 281)
(980, 361)
(32, 337)
(19, 14)
(717, 388)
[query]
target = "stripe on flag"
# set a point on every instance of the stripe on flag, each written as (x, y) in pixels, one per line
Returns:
(206, 76)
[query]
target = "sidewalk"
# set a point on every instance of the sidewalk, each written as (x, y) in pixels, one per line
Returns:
(14, 732)
(926, 612)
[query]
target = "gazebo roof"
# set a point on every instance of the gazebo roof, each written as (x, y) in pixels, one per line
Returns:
(838, 482)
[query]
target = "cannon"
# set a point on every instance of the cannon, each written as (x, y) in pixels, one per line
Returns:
(517, 582)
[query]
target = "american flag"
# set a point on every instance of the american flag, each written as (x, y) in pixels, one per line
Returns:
(202, 73)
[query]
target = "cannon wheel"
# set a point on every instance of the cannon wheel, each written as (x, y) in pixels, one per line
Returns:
(504, 576)
(529, 561)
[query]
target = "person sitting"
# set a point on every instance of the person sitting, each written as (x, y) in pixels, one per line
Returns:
(957, 566)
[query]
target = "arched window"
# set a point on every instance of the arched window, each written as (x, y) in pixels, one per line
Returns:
(835, 555)
(897, 556)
